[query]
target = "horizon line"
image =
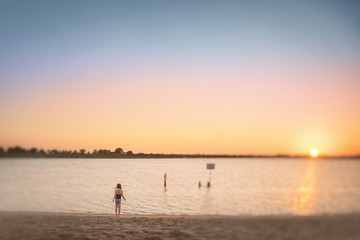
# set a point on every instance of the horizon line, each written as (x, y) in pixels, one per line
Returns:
(118, 152)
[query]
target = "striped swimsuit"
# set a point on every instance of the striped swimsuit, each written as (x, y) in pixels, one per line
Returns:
(118, 196)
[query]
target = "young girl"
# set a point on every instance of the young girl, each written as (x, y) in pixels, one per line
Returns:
(117, 197)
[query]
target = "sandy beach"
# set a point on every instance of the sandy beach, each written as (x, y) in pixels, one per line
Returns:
(26, 225)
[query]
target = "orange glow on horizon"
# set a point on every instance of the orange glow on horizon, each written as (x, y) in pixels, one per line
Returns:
(150, 114)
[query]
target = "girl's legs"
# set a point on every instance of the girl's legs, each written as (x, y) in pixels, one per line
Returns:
(116, 206)
(119, 209)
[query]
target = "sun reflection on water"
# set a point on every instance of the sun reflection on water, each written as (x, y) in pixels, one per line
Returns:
(305, 199)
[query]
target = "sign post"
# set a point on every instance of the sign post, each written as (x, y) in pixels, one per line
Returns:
(210, 166)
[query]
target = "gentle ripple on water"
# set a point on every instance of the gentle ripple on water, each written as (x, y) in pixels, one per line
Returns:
(239, 186)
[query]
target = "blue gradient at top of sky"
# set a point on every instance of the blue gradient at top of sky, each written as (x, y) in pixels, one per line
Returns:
(56, 37)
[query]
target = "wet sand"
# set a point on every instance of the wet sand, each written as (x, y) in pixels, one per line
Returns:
(25, 225)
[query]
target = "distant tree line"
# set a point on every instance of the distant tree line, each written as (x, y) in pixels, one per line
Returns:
(17, 152)
(103, 153)
(34, 152)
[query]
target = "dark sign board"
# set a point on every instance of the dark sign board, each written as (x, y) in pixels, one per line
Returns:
(210, 166)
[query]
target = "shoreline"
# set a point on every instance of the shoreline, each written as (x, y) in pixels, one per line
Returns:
(163, 215)
(57, 225)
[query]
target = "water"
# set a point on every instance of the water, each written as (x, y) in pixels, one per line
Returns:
(239, 186)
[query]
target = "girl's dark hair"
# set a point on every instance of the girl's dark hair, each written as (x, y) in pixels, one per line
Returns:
(118, 185)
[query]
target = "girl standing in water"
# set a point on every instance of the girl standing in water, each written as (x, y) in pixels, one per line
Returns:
(117, 197)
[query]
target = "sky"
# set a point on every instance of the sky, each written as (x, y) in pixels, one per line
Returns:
(212, 77)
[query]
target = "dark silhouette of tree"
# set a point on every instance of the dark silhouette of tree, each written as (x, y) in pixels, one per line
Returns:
(53, 152)
(104, 152)
(119, 151)
(82, 151)
(129, 153)
(16, 150)
(33, 151)
(42, 152)
(69, 152)
(2, 150)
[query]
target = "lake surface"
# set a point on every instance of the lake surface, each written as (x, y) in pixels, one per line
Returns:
(238, 186)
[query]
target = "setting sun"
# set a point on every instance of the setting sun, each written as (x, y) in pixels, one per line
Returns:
(314, 152)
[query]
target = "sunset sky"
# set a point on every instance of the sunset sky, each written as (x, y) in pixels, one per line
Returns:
(214, 77)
